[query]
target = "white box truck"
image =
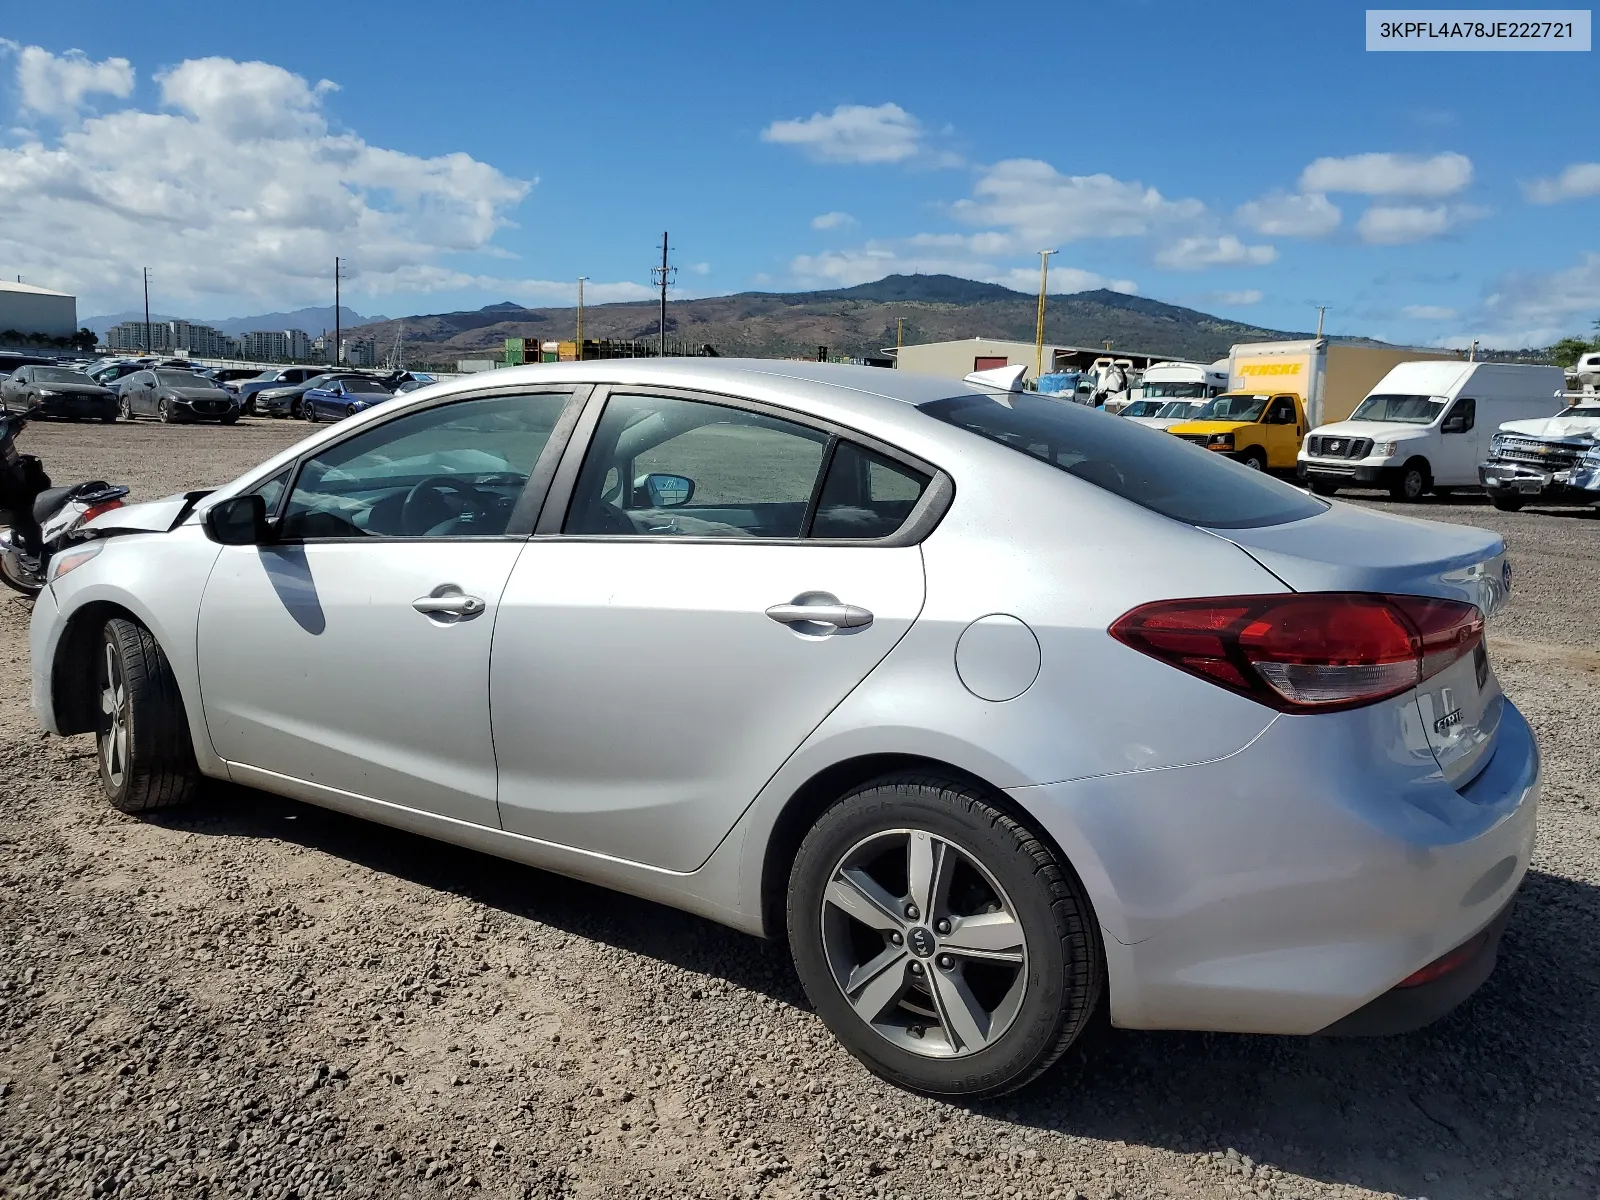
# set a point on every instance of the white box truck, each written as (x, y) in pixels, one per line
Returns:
(1426, 426)
(1171, 392)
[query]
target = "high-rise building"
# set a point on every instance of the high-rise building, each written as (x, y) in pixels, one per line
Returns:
(264, 345)
(156, 338)
(358, 352)
(298, 343)
(201, 341)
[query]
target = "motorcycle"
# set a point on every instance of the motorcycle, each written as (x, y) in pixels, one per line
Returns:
(39, 520)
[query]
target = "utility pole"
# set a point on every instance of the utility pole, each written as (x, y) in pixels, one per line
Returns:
(663, 276)
(1322, 310)
(899, 337)
(336, 336)
(1038, 327)
(147, 310)
(581, 278)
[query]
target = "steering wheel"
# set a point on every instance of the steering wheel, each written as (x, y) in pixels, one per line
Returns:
(425, 505)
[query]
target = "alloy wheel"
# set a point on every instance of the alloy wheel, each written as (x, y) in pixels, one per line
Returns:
(114, 718)
(924, 943)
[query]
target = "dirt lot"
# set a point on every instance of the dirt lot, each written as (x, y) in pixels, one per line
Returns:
(257, 998)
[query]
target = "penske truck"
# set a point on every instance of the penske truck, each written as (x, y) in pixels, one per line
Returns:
(1330, 378)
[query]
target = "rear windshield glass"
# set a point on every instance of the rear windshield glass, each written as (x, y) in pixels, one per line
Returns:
(364, 385)
(1149, 467)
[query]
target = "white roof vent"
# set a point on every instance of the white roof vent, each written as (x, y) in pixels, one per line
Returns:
(1000, 379)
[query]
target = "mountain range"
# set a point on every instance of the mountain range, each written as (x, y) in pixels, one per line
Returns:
(855, 321)
(312, 320)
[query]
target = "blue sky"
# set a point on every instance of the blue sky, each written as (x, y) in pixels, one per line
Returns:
(1250, 160)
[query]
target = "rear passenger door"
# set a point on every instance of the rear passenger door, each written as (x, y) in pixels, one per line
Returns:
(655, 657)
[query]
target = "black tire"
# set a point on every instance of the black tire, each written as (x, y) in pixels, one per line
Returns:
(349, 410)
(1319, 488)
(127, 408)
(294, 410)
(310, 411)
(147, 763)
(1254, 459)
(1506, 503)
(1411, 482)
(109, 419)
(1064, 965)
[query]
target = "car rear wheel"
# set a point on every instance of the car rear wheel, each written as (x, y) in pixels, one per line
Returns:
(146, 756)
(944, 943)
(1506, 503)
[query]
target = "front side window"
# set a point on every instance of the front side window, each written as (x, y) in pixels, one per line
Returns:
(1282, 412)
(456, 470)
(664, 467)
(1150, 468)
(1462, 416)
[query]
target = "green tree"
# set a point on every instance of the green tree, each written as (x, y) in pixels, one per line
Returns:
(1566, 352)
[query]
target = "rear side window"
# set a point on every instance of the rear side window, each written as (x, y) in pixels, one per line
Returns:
(865, 495)
(1149, 467)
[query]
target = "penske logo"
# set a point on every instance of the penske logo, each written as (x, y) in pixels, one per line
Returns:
(1271, 368)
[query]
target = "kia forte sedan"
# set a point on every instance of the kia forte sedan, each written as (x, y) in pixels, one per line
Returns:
(997, 709)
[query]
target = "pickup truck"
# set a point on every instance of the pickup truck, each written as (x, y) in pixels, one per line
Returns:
(1261, 431)
(1551, 460)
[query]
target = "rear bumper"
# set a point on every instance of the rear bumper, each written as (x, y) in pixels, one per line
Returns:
(1286, 887)
(1407, 1009)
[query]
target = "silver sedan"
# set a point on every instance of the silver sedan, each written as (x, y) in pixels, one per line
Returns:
(998, 709)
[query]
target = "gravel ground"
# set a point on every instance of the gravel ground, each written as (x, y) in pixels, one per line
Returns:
(258, 998)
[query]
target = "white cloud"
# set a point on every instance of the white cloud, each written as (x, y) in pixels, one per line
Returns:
(832, 220)
(242, 192)
(1399, 224)
(1240, 299)
(852, 133)
(1039, 205)
(1529, 308)
(55, 85)
(1389, 174)
(1197, 253)
(1429, 312)
(701, 268)
(940, 254)
(1574, 183)
(1283, 214)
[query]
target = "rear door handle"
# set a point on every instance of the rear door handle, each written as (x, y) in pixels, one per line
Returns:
(448, 603)
(841, 616)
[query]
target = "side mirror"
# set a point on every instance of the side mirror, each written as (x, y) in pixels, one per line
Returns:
(666, 491)
(1455, 425)
(238, 521)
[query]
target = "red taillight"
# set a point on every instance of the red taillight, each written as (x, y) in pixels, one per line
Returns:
(1442, 966)
(1307, 651)
(94, 510)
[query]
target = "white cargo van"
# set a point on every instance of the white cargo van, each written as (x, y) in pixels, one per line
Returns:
(1426, 426)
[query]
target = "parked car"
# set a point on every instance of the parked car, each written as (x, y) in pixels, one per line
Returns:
(993, 706)
(227, 375)
(285, 401)
(273, 378)
(9, 362)
(1426, 426)
(1170, 413)
(173, 396)
(1262, 432)
(1549, 460)
(57, 392)
(340, 398)
(110, 374)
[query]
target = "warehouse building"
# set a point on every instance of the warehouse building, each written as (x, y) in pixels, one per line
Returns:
(37, 311)
(956, 360)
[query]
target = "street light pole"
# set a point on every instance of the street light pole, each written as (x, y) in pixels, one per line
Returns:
(581, 278)
(147, 310)
(336, 334)
(1038, 327)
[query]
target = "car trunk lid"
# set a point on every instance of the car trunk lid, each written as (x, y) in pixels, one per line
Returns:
(1349, 549)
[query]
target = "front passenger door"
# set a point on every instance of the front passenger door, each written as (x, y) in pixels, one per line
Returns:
(1282, 433)
(352, 652)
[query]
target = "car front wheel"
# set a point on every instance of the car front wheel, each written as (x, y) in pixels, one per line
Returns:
(146, 756)
(945, 944)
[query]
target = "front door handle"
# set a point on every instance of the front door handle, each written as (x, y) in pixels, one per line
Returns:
(841, 616)
(448, 601)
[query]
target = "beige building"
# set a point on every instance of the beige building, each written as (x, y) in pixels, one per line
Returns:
(26, 309)
(956, 360)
